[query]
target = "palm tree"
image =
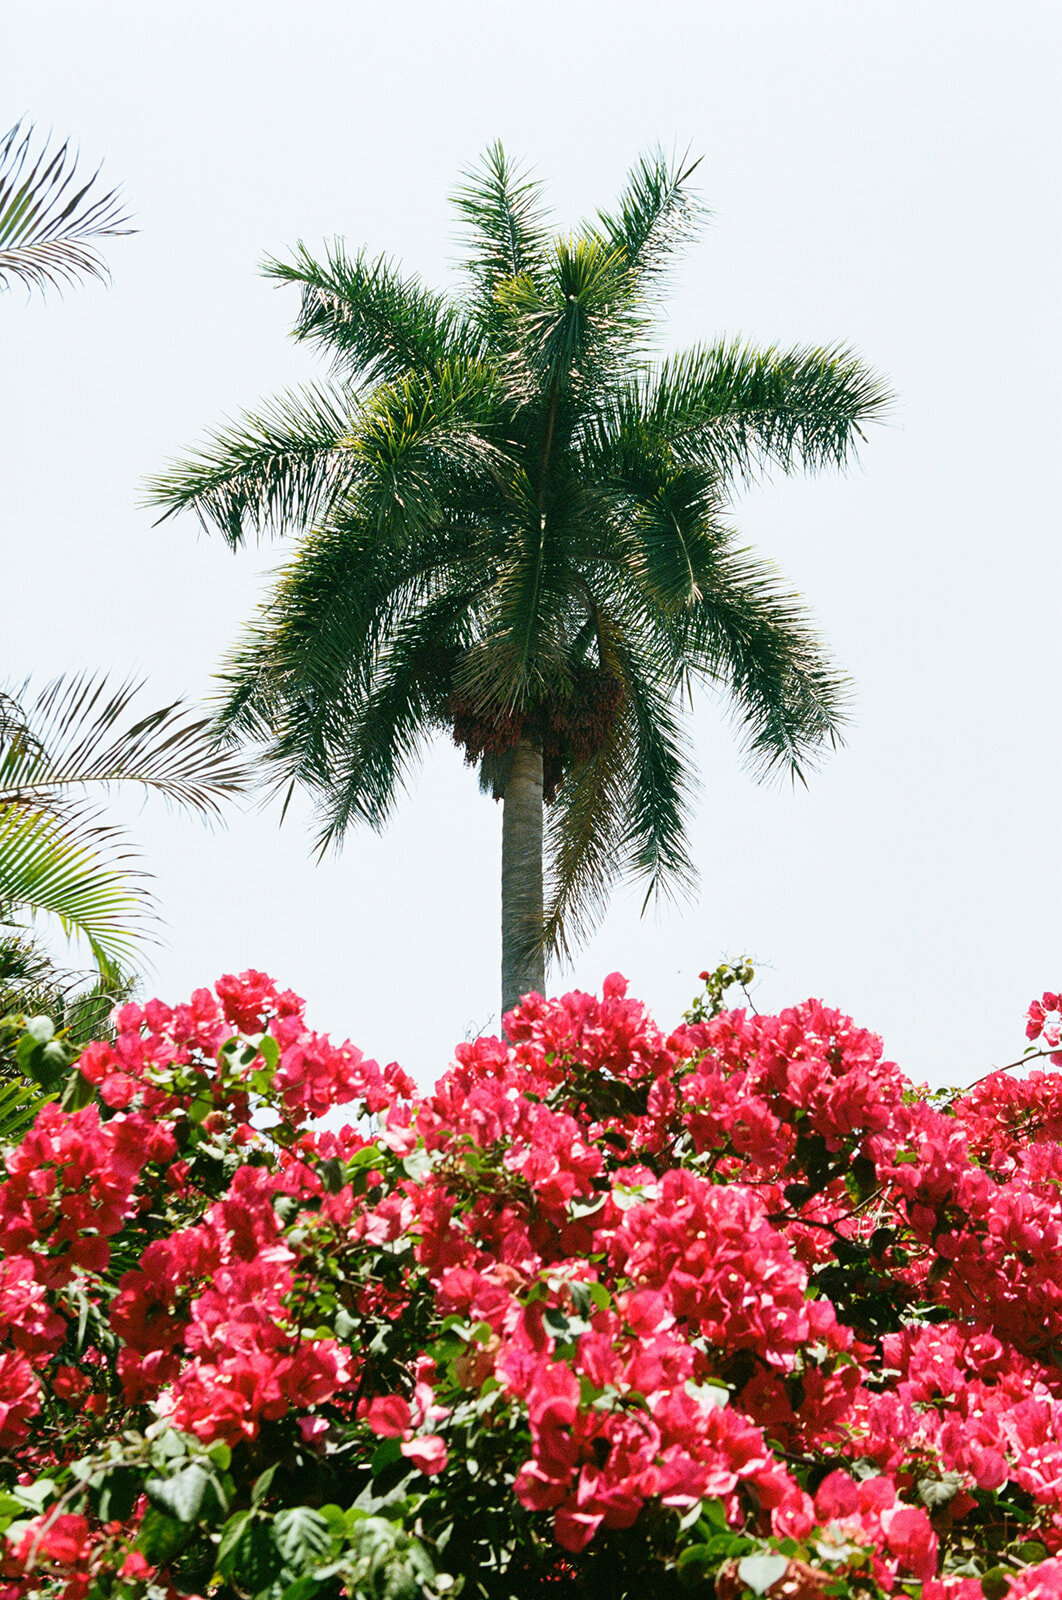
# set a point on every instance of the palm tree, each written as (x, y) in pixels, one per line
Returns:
(59, 746)
(513, 530)
(49, 219)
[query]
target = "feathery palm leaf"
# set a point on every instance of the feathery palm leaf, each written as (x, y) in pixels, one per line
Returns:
(506, 229)
(79, 732)
(49, 219)
(285, 462)
(78, 1003)
(20, 1103)
(374, 325)
(70, 868)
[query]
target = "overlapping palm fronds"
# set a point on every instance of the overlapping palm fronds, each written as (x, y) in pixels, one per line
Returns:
(60, 747)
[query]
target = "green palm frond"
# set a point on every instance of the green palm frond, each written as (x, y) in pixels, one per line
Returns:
(72, 868)
(659, 787)
(622, 813)
(50, 219)
(732, 409)
(424, 445)
(74, 737)
(268, 471)
(673, 539)
(79, 1002)
(375, 325)
(754, 638)
(406, 701)
(506, 228)
(583, 829)
(24, 967)
(657, 214)
(20, 1103)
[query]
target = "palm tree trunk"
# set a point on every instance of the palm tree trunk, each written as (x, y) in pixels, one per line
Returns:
(523, 959)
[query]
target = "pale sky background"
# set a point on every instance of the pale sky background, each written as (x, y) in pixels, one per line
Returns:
(880, 172)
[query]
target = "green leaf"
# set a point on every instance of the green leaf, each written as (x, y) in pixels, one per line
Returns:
(256, 1562)
(160, 1536)
(263, 1484)
(301, 1535)
(345, 1325)
(230, 1535)
(937, 1492)
(182, 1495)
(247, 1554)
(36, 1494)
(332, 1174)
(303, 1588)
(40, 1029)
(418, 1164)
(116, 1493)
(695, 1555)
(386, 1452)
(758, 1572)
(269, 1050)
(995, 1583)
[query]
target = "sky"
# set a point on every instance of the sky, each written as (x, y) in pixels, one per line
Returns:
(879, 173)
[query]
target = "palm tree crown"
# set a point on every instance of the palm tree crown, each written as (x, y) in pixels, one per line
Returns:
(513, 530)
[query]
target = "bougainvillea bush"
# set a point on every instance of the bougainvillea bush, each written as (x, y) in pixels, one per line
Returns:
(610, 1312)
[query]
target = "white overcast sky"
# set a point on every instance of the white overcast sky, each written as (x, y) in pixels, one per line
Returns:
(880, 172)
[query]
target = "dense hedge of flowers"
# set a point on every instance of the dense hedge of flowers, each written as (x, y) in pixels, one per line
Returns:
(731, 1310)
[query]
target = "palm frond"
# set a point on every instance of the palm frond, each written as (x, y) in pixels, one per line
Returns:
(658, 213)
(25, 968)
(73, 870)
(81, 732)
(732, 409)
(623, 812)
(522, 654)
(506, 227)
(427, 443)
(374, 325)
(673, 538)
(583, 828)
(49, 219)
(755, 639)
(356, 622)
(406, 701)
(272, 470)
(20, 1104)
(659, 786)
(78, 1002)
(570, 329)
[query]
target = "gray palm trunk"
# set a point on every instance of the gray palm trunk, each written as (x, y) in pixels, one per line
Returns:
(523, 958)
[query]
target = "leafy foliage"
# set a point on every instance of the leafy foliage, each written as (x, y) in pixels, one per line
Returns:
(59, 745)
(50, 219)
(511, 525)
(726, 1312)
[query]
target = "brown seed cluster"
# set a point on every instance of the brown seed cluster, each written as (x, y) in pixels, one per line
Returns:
(572, 727)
